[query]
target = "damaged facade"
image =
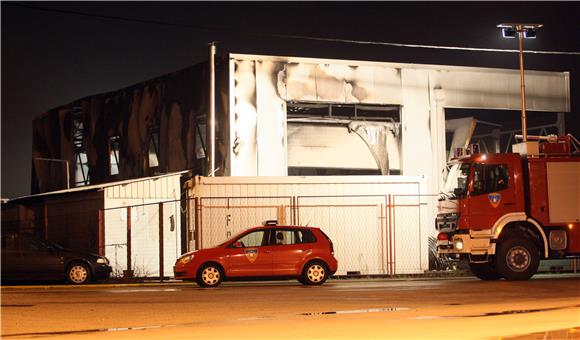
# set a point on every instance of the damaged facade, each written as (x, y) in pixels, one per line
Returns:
(279, 116)
(297, 116)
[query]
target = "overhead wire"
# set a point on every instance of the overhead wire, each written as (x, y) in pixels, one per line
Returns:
(283, 36)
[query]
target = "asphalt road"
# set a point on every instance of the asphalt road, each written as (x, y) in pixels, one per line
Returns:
(544, 307)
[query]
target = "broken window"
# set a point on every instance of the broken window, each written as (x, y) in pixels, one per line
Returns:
(114, 143)
(390, 113)
(343, 139)
(200, 137)
(81, 166)
(154, 146)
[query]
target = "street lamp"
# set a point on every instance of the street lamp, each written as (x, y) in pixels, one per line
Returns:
(57, 160)
(523, 31)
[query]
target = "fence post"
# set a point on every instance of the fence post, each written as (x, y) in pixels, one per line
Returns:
(383, 224)
(294, 212)
(45, 221)
(391, 241)
(197, 224)
(101, 233)
(161, 269)
(129, 271)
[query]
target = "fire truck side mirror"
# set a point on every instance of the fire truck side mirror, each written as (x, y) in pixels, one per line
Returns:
(458, 192)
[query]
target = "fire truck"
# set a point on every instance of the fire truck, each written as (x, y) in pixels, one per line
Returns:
(504, 212)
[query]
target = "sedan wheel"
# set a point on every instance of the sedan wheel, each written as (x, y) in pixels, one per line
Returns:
(78, 273)
(209, 276)
(314, 274)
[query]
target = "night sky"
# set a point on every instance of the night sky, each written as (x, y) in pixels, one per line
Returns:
(52, 57)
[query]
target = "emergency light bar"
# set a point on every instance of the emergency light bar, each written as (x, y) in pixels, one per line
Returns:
(471, 149)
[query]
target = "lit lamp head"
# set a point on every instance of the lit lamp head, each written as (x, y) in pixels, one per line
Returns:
(510, 30)
(530, 33)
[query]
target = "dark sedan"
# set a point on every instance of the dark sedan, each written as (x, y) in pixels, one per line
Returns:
(26, 258)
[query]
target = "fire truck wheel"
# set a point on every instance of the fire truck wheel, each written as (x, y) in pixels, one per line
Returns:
(484, 271)
(517, 258)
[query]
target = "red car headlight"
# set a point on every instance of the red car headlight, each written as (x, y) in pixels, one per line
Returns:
(185, 259)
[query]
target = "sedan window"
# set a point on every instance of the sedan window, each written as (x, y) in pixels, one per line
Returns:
(253, 239)
(31, 244)
(287, 237)
(308, 237)
(9, 241)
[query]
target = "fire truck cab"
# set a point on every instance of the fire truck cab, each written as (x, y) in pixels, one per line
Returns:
(504, 212)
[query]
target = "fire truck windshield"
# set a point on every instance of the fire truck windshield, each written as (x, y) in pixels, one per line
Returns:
(456, 181)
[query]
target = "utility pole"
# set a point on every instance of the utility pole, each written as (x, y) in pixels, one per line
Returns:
(211, 144)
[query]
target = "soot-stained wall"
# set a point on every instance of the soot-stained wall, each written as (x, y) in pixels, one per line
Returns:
(177, 103)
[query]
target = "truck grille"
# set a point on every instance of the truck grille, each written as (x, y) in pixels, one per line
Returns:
(446, 222)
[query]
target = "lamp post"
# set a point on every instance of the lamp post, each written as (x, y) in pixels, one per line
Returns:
(523, 31)
(57, 160)
(211, 116)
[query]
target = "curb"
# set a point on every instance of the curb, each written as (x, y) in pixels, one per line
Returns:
(360, 278)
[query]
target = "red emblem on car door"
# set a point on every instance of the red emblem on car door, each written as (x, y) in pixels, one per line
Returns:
(251, 254)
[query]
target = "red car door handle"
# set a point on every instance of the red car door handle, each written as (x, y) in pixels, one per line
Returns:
(267, 251)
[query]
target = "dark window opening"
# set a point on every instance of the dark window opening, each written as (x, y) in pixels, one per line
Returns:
(390, 113)
(200, 138)
(304, 171)
(81, 166)
(153, 146)
(114, 163)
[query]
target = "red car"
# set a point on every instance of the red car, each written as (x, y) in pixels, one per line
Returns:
(269, 251)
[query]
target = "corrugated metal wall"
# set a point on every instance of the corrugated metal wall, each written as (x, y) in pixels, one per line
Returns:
(71, 219)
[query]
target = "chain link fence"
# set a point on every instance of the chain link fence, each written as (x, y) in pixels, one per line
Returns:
(372, 234)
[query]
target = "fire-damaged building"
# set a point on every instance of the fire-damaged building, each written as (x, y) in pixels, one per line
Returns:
(280, 116)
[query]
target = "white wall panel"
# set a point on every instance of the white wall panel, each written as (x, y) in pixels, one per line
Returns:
(244, 142)
(327, 147)
(143, 196)
(271, 121)
(416, 132)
